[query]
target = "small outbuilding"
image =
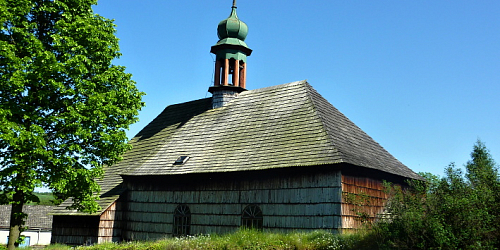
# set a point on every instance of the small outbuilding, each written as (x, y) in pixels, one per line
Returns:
(279, 158)
(38, 225)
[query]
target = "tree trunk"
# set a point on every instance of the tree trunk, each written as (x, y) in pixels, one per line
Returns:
(16, 220)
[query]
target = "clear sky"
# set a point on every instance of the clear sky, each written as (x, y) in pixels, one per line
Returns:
(420, 77)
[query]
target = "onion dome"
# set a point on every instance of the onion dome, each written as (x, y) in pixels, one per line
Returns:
(230, 59)
(232, 27)
(232, 30)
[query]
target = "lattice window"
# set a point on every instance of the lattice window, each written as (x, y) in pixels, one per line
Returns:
(252, 217)
(182, 220)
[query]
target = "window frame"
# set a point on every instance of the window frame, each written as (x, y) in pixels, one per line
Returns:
(181, 225)
(252, 217)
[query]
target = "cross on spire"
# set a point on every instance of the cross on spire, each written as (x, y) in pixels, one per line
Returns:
(234, 3)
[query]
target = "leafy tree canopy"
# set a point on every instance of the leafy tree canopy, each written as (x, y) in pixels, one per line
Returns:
(64, 107)
(457, 211)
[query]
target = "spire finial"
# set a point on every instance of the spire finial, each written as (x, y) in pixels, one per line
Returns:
(234, 3)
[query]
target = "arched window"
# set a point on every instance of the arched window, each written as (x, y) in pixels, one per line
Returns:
(252, 217)
(182, 221)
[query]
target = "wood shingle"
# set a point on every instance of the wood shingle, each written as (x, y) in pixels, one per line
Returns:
(275, 127)
(282, 126)
(38, 216)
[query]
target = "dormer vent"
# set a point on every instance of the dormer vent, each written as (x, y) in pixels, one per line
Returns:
(181, 160)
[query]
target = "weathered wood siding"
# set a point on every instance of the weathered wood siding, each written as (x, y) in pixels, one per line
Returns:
(298, 201)
(361, 196)
(75, 230)
(110, 224)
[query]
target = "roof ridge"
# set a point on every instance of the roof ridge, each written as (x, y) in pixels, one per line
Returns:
(309, 88)
(284, 85)
(183, 103)
(353, 144)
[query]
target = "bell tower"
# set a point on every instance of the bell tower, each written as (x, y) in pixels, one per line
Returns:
(231, 53)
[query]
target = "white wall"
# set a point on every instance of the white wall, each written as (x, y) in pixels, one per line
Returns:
(36, 237)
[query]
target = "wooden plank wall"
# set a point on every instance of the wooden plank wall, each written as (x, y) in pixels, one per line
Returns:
(110, 224)
(299, 202)
(75, 230)
(361, 196)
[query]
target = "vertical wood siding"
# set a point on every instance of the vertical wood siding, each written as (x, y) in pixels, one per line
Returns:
(295, 202)
(110, 224)
(361, 196)
(75, 230)
(86, 230)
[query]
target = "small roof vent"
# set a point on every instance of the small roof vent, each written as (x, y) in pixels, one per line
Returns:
(181, 160)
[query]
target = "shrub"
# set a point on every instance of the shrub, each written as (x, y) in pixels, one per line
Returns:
(458, 211)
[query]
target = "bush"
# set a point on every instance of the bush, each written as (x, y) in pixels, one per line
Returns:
(458, 211)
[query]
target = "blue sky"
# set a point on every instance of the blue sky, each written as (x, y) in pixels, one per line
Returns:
(420, 77)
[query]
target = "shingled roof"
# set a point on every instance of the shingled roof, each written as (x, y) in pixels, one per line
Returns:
(275, 127)
(282, 126)
(38, 216)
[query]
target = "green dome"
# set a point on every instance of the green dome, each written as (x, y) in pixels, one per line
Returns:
(232, 27)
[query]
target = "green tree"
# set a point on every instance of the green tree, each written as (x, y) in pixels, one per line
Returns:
(64, 107)
(457, 211)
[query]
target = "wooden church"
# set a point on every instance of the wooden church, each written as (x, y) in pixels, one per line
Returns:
(278, 158)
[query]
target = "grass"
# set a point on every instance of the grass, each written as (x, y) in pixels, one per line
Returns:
(246, 239)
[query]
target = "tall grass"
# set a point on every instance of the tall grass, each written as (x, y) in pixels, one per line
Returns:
(246, 239)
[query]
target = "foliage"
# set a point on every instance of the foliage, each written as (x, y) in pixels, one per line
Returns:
(45, 199)
(247, 239)
(361, 202)
(64, 107)
(57, 247)
(458, 211)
